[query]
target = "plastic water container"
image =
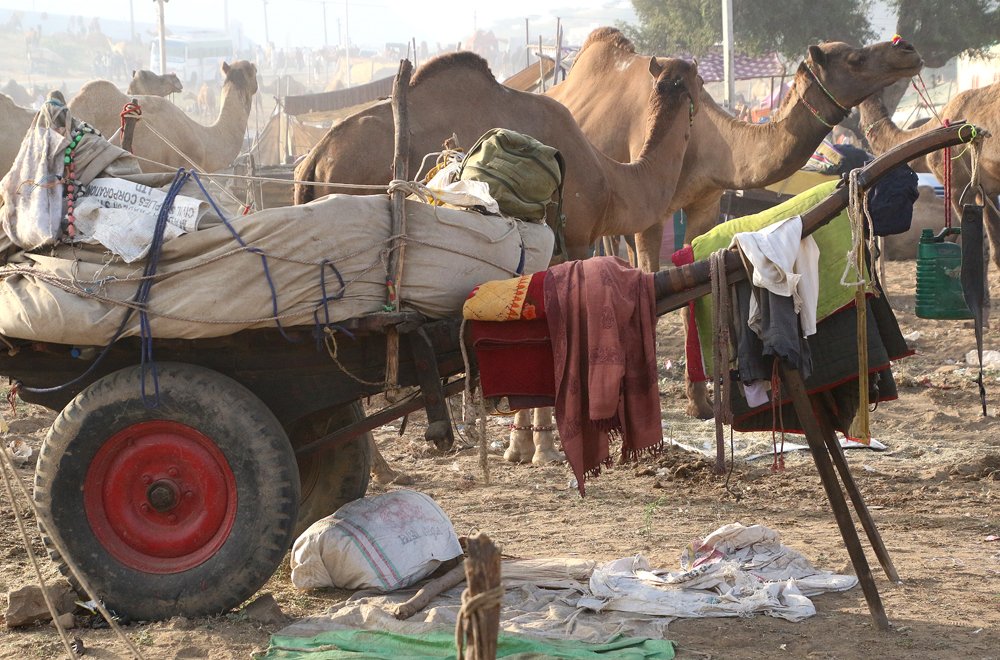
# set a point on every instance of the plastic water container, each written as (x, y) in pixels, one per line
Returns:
(939, 277)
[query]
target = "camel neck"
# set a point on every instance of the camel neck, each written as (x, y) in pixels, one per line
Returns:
(765, 153)
(230, 126)
(880, 131)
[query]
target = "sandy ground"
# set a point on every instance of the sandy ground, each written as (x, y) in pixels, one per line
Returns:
(933, 494)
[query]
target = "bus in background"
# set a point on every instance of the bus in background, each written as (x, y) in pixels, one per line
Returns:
(196, 58)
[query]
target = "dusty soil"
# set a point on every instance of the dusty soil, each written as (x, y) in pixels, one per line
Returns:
(934, 493)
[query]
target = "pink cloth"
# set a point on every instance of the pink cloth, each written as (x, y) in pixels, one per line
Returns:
(602, 322)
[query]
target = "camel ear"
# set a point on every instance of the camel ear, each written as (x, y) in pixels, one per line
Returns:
(694, 65)
(817, 55)
(133, 73)
(655, 69)
(225, 68)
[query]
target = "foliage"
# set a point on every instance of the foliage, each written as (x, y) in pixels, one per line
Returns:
(668, 27)
(942, 29)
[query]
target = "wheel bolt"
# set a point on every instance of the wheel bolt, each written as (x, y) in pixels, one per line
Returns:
(146, 479)
(172, 518)
(144, 507)
(172, 472)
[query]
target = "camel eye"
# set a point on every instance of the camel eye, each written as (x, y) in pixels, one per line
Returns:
(856, 59)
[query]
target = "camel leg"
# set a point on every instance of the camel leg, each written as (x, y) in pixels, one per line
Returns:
(381, 470)
(521, 447)
(647, 247)
(545, 438)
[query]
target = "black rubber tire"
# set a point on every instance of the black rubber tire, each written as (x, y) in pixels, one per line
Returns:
(258, 454)
(336, 477)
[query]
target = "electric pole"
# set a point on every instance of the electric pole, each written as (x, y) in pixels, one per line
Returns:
(326, 42)
(163, 39)
(131, 18)
(727, 47)
(347, 34)
(267, 38)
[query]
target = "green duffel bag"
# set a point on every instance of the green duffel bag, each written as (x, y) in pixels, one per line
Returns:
(522, 173)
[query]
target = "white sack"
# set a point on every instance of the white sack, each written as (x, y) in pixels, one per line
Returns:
(385, 542)
(32, 215)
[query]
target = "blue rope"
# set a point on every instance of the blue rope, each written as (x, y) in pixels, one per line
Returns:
(317, 331)
(263, 257)
(140, 298)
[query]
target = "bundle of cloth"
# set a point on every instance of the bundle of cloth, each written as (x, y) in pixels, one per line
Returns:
(217, 270)
(581, 336)
(798, 308)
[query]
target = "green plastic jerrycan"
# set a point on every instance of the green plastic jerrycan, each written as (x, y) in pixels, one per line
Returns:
(939, 277)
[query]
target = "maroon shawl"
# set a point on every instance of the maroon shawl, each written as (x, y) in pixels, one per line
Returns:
(602, 322)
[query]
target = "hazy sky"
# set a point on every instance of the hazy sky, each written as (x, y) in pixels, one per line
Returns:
(372, 22)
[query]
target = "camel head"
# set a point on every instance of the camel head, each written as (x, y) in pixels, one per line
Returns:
(676, 84)
(242, 75)
(149, 83)
(850, 75)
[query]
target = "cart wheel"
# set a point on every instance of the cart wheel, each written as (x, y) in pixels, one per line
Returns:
(185, 510)
(336, 477)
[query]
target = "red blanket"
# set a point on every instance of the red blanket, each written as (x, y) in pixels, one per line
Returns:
(602, 322)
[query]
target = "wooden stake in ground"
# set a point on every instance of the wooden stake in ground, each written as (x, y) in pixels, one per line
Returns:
(479, 619)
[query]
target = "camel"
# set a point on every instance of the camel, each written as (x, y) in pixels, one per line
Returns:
(211, 147)
(976, 106)
(19, 94)
(724, 153)
(457, 92)
(16, 121)
(284, 86)
(147, 83)
(206, 100)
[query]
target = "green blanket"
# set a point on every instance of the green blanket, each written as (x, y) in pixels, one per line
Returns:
(380, 645)
(833, 239)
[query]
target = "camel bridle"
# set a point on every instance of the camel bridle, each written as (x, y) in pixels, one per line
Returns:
(841, 108)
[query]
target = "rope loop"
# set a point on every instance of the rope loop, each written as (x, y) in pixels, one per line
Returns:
(472, 611)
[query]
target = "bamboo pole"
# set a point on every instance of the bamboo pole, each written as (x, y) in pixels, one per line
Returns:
(400, 164)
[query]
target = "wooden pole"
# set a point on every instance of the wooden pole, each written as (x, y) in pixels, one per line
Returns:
(851, 486)
(400, 165)
(128, 130)
(807, 418)
(527, 43)
(482, 572)
(541, 67)
(555, 72)
(436, 587)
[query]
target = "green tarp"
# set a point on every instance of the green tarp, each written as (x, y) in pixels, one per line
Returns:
(380, 645)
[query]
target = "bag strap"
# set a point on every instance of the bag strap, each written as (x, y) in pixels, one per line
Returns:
(559, 247)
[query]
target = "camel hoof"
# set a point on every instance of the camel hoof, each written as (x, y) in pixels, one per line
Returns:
(514, 456)
(701, 410)
(550, 456)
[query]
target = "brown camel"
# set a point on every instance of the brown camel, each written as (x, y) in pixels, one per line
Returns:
(976, 106)
(211, 147)
(15, 121)
(206, 100)
(724, 153)
(147, 83)
(457, 93)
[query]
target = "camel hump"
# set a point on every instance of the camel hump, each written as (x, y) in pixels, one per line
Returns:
(611, 36)
(449, 62)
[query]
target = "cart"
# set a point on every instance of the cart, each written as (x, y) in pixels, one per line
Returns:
(189, 507)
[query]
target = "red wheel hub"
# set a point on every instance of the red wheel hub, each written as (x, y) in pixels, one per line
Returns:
(160, 497)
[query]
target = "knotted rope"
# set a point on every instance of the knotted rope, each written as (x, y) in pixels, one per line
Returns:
(858, 213)
(470, 624)
(721, 313)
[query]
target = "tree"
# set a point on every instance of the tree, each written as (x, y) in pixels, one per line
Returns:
(942, 29)
(789, 27)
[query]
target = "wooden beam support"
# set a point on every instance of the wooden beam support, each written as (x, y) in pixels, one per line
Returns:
(807, 418)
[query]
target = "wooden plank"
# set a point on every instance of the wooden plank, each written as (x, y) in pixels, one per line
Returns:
(807, 418)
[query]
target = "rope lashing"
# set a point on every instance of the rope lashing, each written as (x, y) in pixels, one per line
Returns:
(858, 213)
(470, 617)
(777, 417)
(130, 111)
